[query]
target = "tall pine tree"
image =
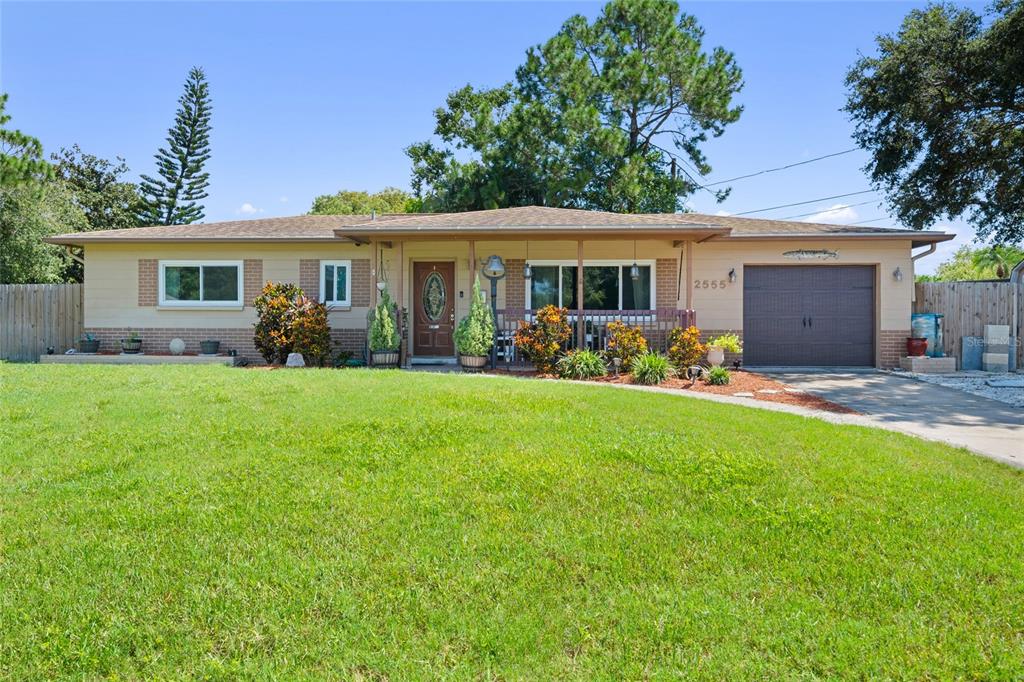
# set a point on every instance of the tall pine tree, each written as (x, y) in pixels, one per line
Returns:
(172, 199)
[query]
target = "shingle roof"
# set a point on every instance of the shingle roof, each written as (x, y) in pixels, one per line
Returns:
(528, 219)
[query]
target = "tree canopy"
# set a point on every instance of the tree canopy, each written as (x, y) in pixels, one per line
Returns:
(609, 115)
(355, 202)
(21, 155)
(173, 198)
(108, 201)
(987, 262)
(941, 110)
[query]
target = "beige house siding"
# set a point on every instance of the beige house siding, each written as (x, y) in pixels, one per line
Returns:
(121, 278)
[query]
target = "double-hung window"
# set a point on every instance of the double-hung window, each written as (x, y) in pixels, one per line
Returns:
(606, 286)
(198, 284)
(336, 282)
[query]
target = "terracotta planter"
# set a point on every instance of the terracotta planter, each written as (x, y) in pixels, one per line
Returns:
(716, 355)
(916, 347)
(131, 346)
(385, 359)
(209, 347)
(87, 346)
(473, 363)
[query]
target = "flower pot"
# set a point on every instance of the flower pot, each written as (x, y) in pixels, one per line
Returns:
(916, 346)
(209, 347)
(473, 363)
(131, 346)
(385, 359)
(716, 355)
(89, 346)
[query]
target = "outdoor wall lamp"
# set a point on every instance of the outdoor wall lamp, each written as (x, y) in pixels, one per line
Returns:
(494, 268)
(897, 274)
(527, 269)
(732, 276)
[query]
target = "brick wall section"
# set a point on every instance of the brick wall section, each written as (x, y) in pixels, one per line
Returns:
(309, 277)
(155, 340)
(666, 282)
(515, 285)
(252, 279)
(362, 283)
(147, 282)
(892, 346)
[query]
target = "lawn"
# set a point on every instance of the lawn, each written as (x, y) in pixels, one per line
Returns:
(222, 523)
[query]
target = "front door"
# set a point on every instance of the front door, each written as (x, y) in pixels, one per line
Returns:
(434, 315)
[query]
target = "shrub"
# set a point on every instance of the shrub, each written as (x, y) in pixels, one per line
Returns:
(581, 364)
(730, 343)
(308, 330)
(651, 369)
(383, 331)
(718, 376)
(540, 341)
(625, 342)
(684, 347)
(271, 334)
(475, 333)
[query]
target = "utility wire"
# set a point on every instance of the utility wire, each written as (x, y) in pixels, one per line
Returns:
(773, 170)
(804, 203)
(827, 210)
(873, 220)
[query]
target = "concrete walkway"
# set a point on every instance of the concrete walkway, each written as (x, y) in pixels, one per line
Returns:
(988, 427)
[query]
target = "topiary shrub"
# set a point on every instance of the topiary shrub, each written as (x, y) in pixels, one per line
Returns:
(383, 330)
(541, 341)
(309, 331)
(684, 347)
(651, 369)
(475, 334)
(271, 335)
(581, 364)
(625, 342)
(719, 376)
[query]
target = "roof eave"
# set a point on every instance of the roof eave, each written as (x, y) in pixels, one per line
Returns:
(550, 232)
(77, 240)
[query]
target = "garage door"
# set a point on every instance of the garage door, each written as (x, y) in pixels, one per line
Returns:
(809, 315)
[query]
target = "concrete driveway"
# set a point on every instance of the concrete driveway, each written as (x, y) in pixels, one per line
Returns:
(988, 427)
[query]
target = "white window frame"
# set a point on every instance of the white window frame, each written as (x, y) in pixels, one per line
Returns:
(237, 303)
(573, 263)
(347, 264)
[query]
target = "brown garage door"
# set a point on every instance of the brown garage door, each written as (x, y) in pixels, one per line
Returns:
(809, 315)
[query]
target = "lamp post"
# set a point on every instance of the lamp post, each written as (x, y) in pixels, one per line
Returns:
(494, 270)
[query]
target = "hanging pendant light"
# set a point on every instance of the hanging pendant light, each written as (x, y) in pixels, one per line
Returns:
(527, 269)
(634, 271)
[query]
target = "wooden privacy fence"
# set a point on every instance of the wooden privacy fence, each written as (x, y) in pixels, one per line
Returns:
(34, 316)
(968, 307)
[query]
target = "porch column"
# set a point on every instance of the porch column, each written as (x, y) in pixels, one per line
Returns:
(580, 331)
(472, 263)
(689, 275)
(373, 274)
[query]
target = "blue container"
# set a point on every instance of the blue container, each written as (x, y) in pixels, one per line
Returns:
(928, 326)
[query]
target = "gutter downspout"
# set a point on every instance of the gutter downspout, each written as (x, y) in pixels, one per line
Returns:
(913, 260)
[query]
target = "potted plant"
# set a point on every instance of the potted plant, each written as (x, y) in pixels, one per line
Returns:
(719, 346)
(132, 344)
(474, 337)
(384, 339)
(916, 346)
(88, 344)
(209, 347)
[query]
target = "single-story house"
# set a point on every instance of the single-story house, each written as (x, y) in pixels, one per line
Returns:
(797, 293)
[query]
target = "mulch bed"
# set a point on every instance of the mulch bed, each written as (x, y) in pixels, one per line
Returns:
(741, 381)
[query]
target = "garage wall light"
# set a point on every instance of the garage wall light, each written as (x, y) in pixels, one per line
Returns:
(732, 276)
(897, 274)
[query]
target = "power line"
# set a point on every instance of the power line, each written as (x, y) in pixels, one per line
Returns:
(804, 203)
(827, 210)
(873, 220)
(773, 170)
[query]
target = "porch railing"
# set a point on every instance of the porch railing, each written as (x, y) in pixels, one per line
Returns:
(656, 325)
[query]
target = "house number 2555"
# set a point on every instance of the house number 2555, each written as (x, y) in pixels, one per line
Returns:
(709, 283)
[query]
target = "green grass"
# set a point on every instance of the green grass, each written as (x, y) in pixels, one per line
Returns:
(223, 523)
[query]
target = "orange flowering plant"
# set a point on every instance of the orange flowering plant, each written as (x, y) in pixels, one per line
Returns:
(625, 342)
(684, 347)
(541, 341)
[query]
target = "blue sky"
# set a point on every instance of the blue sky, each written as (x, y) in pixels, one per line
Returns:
(310, 98)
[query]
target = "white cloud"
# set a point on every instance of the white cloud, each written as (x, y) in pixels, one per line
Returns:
(284, 200)
(840, 213)
(248, 209)
(722, 213)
